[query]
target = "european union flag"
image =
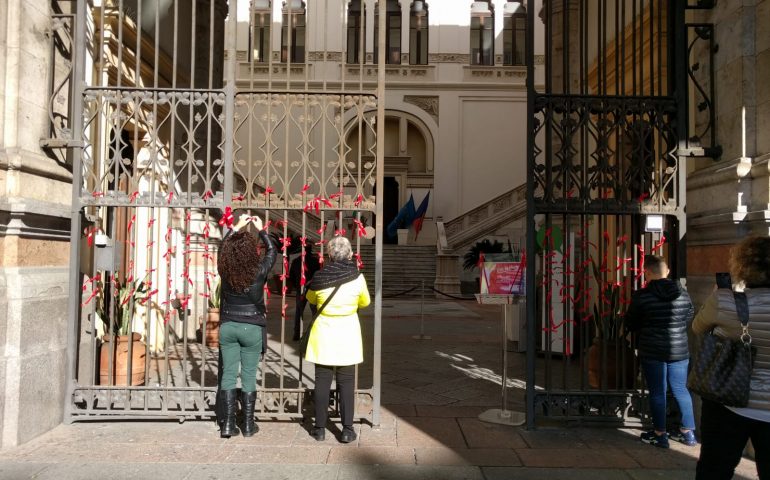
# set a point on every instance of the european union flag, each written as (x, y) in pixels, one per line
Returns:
(403, 219)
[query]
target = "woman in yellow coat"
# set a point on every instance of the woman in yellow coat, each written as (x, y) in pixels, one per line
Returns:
(335, 344)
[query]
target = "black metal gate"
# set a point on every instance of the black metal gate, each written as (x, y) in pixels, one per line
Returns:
(606, 183)
(175, 119)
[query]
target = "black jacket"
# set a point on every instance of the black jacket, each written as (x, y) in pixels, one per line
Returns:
(660, 313)
(249, 306)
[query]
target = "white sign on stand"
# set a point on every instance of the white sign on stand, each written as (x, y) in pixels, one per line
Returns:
(502, 415)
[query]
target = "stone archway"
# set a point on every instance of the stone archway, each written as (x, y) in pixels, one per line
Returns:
(409, 161)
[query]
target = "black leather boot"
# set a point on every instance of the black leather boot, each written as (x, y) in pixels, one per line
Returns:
(219, 409)
(248, 400)
(229, 428)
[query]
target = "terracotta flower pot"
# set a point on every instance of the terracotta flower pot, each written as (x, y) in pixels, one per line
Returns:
(119, 367)
(212, 328)
(615, 355)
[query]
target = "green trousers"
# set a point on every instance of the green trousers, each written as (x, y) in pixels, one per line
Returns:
(240, 345)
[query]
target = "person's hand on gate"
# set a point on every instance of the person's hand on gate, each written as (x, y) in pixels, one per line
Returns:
(257, 222)
(243, 220)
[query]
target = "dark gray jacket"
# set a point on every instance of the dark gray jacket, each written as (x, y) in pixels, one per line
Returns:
(660, 314)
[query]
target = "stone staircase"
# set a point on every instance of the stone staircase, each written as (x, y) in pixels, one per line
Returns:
(403, 267)
(456, 235)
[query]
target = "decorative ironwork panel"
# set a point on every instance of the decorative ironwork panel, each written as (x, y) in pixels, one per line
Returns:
(182, 158)
(702, 142)
(291, 151)
(606, 154)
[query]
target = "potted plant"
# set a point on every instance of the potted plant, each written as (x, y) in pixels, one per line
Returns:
(212, 318)
(609, 349)
(119, 338)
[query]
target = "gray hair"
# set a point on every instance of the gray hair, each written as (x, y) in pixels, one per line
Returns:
(340, 249)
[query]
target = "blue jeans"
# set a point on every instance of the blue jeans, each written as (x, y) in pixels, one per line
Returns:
(658, 375)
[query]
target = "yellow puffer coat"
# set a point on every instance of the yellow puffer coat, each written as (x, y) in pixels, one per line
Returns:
(336, 335)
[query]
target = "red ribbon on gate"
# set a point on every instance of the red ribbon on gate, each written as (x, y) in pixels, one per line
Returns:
(361, 229)
(227, 218)
(89, 232)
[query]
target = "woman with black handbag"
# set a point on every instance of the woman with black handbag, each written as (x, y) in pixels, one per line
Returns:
(726, 429)
(333, 340)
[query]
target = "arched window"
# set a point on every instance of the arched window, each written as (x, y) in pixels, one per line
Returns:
(482, 33)
(418, 33)
(392, 32)
(259, 32)
(356, 31)
(293, 27)
(514, 33)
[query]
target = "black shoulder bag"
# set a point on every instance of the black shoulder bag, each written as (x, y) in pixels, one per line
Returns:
(306, 334)
(721, 368)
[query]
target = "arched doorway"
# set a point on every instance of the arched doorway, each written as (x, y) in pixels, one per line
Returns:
(408, 161)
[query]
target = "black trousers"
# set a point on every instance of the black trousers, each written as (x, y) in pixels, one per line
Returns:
(724, 434)
(323, 384)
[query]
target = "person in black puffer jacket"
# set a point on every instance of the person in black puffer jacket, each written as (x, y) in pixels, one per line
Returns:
(660, 313)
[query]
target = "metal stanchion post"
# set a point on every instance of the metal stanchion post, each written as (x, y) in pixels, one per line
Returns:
(502, 415)
(422, 335)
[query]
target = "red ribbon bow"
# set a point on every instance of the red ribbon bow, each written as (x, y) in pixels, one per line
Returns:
(227, 218)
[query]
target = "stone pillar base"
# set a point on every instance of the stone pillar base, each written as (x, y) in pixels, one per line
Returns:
(447, 274)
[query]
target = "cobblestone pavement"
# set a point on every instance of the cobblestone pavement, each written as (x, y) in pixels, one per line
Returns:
(433, 391)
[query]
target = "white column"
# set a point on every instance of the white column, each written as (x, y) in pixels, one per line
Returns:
(499, 24)
(405, 4)
(370, 6)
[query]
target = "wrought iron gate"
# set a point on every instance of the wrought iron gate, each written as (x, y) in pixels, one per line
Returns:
(179, 112)
(608, 136)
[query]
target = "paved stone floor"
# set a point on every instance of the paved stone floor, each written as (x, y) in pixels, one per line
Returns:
(433, 391)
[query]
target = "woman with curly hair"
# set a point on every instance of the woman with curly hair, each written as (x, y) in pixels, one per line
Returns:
(725, 430)
(242, 330)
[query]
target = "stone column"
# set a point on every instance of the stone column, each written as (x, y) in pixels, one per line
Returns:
(730, 199)
(34, 232)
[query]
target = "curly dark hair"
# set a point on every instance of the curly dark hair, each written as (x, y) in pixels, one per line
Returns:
(239, 259)
(750, 262)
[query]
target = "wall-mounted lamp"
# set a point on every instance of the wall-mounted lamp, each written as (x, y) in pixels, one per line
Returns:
(653, 223)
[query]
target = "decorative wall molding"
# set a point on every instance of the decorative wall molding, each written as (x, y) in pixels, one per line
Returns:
(29, 218)
(429, 103)
(464, 58)
(318, 56)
